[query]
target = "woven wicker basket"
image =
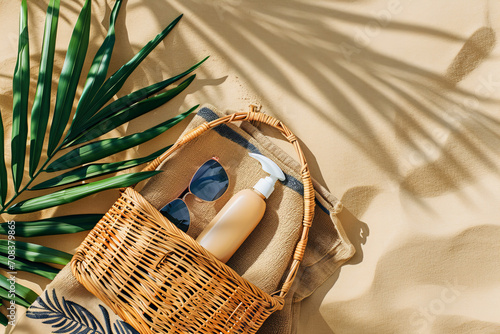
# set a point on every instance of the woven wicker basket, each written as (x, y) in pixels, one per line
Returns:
(160, 280)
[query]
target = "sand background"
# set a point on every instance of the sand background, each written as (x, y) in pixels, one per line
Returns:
(396, 104)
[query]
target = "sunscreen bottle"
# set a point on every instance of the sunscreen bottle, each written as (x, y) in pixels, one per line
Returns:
(241, 214)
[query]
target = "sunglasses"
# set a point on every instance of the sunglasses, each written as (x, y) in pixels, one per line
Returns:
(209, 183)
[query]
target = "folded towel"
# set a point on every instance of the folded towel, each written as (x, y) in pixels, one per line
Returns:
(264, 257)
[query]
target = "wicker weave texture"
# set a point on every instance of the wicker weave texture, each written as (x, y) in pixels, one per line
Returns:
(160, 280)
(168, 282)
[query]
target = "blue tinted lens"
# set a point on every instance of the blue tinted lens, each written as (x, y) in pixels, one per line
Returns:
(178, 214)
(210, 181)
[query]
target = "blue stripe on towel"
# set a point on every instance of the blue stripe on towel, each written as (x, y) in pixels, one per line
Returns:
(225, 131)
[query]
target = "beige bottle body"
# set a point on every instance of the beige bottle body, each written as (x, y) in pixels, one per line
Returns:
(233, 224)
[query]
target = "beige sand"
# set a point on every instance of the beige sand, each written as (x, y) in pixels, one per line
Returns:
(396, 102)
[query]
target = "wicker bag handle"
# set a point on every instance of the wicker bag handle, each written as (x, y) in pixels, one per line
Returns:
(309, 199)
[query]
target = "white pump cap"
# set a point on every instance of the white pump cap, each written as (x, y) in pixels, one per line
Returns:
(265, 186)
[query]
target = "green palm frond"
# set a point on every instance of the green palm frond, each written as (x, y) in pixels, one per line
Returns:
(111, 86)
(78, 192)
(35, 253)
(21, 291)
(3, 169)
(100, 64)
(3, 319)
(54, 225)
(70, 75)
(5, 294)
(106, 147)
(20, 87)
(41, 105)
(134, 104)
(29, 266)
(73, 144)
(95, 170)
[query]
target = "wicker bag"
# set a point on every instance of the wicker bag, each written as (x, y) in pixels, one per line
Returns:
(160, 280)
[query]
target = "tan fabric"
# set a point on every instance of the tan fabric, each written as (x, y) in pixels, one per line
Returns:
(264, 257)
(67, 291)
(271, 244)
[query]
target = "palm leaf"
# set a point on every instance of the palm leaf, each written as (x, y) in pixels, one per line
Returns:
(70, 75)
(54, 225)
(64, 316)
(116, 81)
(20, 88)
(21, 291)
(105, 123)
(35, 253)
(75, 193)
(90, 111)
(95, 170)
(3, 319)
(29, 266)
(5, 294)
(100, 65)
(41, 105)
(107, 321)
(103, 148)
(121, 327)
(78, 128)
(3, 169)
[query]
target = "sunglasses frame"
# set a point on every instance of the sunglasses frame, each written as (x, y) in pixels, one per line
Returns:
(182, 195)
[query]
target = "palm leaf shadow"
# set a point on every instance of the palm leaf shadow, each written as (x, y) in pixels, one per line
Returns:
(296, 44)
